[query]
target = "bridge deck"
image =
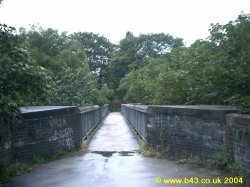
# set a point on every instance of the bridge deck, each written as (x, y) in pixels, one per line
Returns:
(111, 161)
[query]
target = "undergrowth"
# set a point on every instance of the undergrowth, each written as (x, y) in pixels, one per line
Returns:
(146, 150)
(9, 169)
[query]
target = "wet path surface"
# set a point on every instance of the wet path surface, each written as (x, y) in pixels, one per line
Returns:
(111, 161)
(114, 135)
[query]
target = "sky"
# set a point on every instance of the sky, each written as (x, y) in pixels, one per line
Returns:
(187, 19)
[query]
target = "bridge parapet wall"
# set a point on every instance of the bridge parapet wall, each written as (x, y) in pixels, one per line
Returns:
(43, 130)
(137, 116)
(192, 130)
(238, 137)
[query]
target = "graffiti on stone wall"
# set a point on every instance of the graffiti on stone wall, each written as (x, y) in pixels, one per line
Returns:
(170, 121)
(19, 143)
(63, 137)
(5, 146)
(66, 142)
(55, 122)
(5, 142)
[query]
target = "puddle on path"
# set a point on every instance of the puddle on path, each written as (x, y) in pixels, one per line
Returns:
(114, 153)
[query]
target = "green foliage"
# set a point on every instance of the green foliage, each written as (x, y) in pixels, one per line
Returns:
(41, 67)
(44, 46)
(104, 96)
(98, 50)
(8, 169)
(241, 102)
(223, 158)
(191, 160)
(216, 71)
(74, 87)
(72, 62)
(146, 150)
(141, 84)
(134, 52)
(21, 82)
(47, 67)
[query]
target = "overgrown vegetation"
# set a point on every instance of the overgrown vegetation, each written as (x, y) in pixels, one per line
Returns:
(146, 150)
(22, 82)
(222, 159)
(212, 71)
(8, 168)
(45, 67)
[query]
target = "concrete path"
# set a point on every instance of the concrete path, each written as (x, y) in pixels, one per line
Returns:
(112, 161)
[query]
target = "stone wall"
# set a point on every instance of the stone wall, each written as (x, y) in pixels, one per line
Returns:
(187, 130)
(238, 127)
(192, 130)
(43, 130)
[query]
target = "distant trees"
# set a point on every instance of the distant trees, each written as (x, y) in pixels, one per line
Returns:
(133, 53)
(72, 62)
(216, 71)
(39, 67)
(98, 50)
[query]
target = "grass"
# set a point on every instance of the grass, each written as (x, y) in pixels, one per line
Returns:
(147, 151)
(191, 160)
(9, 169)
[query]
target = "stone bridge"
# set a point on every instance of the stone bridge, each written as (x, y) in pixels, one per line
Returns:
(112, 158)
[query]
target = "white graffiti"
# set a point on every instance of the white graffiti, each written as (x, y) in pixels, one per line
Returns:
(67, 142)
(65, 133)
(57, 122)
(7, 145)
(63, 137)
(19, 143)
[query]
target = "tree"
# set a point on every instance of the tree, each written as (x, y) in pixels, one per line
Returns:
(98, 50)
(141, 85)
(21, 82)
(72, 82)
(74, 87)
(123, 56)
(233, 67)
(216, 71)
(134, 52)
(44, 46)
(71, 54)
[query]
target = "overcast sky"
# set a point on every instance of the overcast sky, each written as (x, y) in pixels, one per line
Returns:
(187, 19)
